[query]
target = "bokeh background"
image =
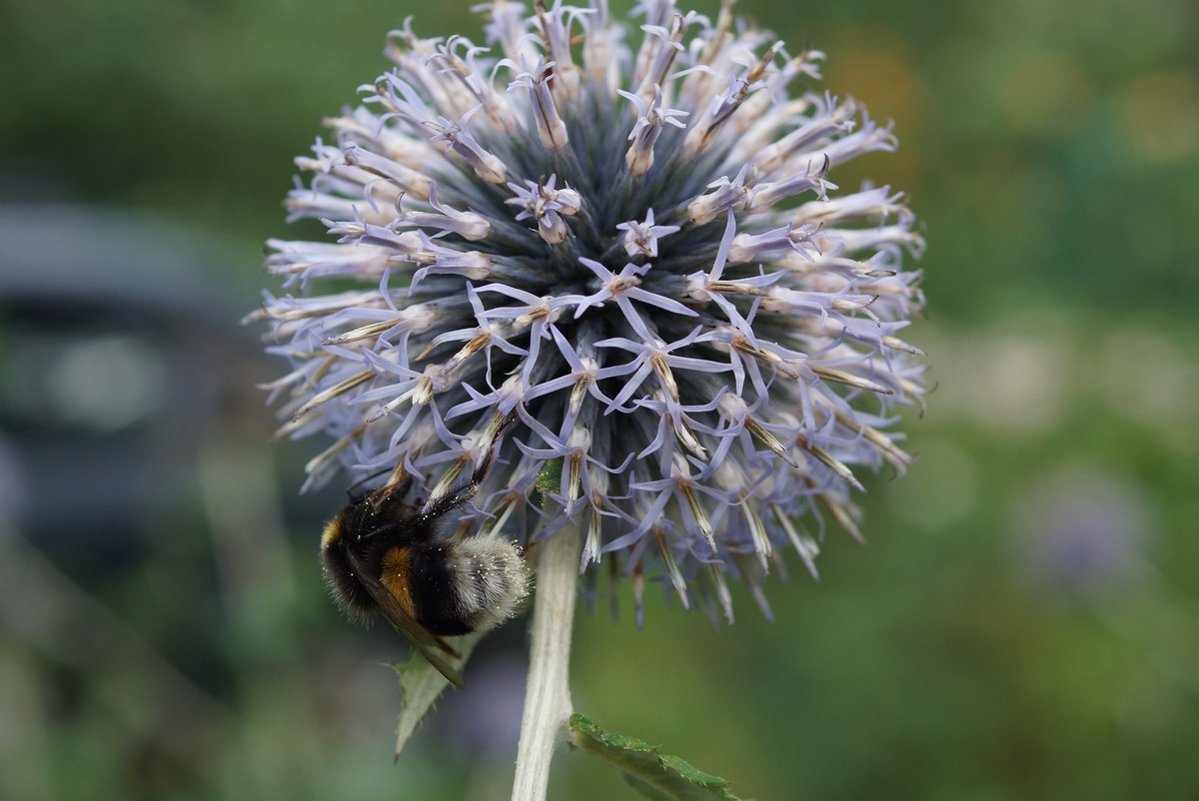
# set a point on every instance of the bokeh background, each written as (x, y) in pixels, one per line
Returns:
(1023, 623)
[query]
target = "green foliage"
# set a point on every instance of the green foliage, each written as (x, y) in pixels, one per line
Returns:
(1045, 147)
(421, 684)
(662, 777)
(550, 478)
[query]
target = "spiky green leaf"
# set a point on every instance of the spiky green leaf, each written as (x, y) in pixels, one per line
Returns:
(661, 777)
(421, 684)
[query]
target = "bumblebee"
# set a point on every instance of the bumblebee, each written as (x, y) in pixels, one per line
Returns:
(384, 555)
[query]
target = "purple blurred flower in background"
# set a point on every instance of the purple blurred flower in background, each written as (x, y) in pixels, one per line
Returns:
(1084, 533)
(628, 237)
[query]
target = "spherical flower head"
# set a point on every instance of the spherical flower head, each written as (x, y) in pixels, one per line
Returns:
(613, 252)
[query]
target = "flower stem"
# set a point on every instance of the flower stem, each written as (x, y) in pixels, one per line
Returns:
(547, 694)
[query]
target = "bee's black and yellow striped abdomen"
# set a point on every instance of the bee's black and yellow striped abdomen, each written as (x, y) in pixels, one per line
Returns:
(380, 556)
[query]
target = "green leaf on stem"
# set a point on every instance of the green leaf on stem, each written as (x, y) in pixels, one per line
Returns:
(550, 477)
(421, 684)
(662, 777)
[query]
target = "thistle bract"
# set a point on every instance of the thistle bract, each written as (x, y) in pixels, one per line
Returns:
(625, 236)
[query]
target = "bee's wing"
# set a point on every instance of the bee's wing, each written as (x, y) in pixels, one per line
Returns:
(421, 638)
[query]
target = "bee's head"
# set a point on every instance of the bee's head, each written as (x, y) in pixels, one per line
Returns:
(344, 585)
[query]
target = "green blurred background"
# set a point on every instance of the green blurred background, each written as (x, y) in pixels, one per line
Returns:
(1023, 623)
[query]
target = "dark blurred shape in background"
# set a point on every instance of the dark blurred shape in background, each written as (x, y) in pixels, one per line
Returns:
(1023, 624)
(120, 355)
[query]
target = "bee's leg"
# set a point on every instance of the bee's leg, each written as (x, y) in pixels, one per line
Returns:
(399, 482)
(436, 507)
(355, 491)
(396, 488)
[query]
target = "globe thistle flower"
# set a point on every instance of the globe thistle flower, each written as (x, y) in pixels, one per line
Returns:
(627, 239)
